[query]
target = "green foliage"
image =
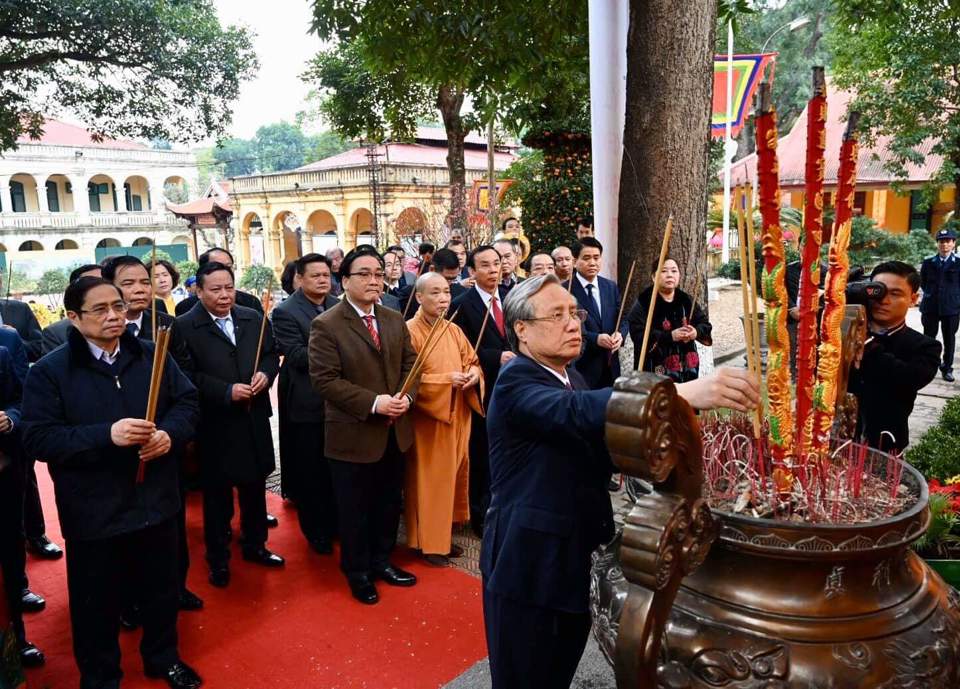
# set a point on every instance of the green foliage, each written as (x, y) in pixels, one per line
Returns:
(17, 281)
(870, 245)
(53, 281)
(939, 539)
(554, 186)
(177, 193)
(280, 146)
(256, 279)
(937, 453)
(327, 144)
(126, 68)
(902, 59)
(235, 157)
(187, 269)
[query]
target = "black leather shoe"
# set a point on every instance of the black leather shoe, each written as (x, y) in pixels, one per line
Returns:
(31, 656)
(43, 547)
(32, 602)
(219, 577)
(264, 557)
(364, 591)
(395, 576)
(323, 545)
(130, 618)
(948, 376)
(190, 601)
(272, 522)
(179, 676)
(455, 551)
(435, 560)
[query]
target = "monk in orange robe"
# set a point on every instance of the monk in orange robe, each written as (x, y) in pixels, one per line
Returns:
(451, 383)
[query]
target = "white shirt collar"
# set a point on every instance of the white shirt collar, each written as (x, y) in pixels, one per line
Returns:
(585, 282)
(138, 321)
(99, 354)
(486, 296)
(229, 316)
(565, 379)
(360, 312)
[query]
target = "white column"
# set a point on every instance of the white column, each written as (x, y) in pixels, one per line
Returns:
(42, 203)
(158, 202)
(5, 199)
(121, 195)
(608, 96)
(727, 153)
(81, 202)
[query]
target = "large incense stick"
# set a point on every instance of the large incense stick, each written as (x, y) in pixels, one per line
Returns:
(153, 292)
(162, 340)
(266, 300)
(664, 247)
(483, 325)
(432, 339)
(738, 198)
(623, 297)
(754, 310)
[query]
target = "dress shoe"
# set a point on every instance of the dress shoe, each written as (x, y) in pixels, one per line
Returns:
(130, 618)
(948, 376)
(614, 485)
(435, 560)
(395, 576)
(43, 547)
(455, 551)
(31, 602)
(219, 577)
(264, 557)
(31, 656)
(323, 545)
(364, 591)
(272, 522)
(190, 601)
(179, 676)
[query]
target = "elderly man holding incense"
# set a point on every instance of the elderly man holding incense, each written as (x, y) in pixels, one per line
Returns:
(229, 352)
(86, 407)
(360, 359)
(549, 472)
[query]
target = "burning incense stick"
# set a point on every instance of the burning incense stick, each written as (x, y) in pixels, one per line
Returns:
(748, 330)
(751, 253)
(483, 325)
(664, 247)
(162, 340)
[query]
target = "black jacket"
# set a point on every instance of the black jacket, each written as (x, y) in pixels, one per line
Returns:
(20, 316)
(54, 335)
(894, 369)
(940, 282)
(299, 403)
(70, 402)
(470, 311)
(234, 439)
(11, 396)
(243, 299)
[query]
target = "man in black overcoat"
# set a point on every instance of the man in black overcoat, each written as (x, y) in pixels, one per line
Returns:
(224, 257)
(217, 345)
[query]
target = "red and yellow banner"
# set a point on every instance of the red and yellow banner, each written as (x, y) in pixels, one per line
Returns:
(748, 72)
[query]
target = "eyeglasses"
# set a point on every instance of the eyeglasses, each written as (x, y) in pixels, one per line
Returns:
(367, 275)
(560, 318)
(102, 310)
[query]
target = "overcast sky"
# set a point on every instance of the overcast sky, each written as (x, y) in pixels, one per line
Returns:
(283, 46)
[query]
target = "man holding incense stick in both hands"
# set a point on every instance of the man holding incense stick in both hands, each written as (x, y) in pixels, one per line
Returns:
(451, 385)
(549, 473)
(360, 356)
(218, 346)
(83, 413)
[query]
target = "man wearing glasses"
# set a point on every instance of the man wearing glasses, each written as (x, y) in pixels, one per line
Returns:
(549, 469)
(82, 414)
(359, 356)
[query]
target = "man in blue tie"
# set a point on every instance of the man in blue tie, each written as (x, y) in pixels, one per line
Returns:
(549, 469)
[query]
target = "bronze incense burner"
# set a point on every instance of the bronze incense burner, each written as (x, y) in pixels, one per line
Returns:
(689, 599)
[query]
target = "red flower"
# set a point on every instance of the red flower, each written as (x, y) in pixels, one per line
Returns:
(672, 362)
(666, 327)
(692, 360)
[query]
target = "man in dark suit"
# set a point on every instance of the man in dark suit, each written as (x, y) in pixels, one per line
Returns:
(82, 414)
(509, 257)
(17, 315)
(493, 351)
(549, 471)
(304, 469)
(12, 557)
(897, 361)
(940, 308)
(406, 278)
(445, 263)
(218, 345)
(223, 257)
(360, 355)
(600, 298)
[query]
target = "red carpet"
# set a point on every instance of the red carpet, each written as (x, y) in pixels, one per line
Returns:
(296, 628)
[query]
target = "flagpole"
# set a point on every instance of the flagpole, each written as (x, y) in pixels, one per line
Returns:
(725, 245)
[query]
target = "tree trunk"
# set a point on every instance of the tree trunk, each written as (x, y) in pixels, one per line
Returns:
(667, 136)
(450, 101)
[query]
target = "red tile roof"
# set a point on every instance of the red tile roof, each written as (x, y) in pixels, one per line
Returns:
(57, 133)
(410, 154)
(204, 206)
(871, 169)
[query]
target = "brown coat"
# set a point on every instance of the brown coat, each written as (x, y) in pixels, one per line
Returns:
(349, 372)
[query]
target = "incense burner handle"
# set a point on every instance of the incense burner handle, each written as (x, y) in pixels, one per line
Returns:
(652, 434)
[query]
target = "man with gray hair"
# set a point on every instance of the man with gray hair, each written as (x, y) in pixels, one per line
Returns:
(549, 470)
(335, 256)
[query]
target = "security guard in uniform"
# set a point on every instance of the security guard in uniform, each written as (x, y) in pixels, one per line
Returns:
(940, 308)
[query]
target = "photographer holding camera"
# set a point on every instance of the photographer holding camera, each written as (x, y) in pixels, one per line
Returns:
(897, 361)
(940, 308)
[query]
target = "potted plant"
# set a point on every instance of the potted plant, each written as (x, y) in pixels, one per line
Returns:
(940, 545)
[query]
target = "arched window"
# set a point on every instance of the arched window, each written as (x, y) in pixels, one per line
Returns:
(66, 244)
(108, 243)
(31, 245)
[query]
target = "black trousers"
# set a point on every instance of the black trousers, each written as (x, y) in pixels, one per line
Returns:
(479, 473)
(311, 486)
(948, 326)
(218, 510)
(34, 525)
(368, 507)
(183, 548)
(145, 560)
(13, 559)
(530, 646)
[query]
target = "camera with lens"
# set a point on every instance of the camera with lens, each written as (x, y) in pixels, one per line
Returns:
(865, 291)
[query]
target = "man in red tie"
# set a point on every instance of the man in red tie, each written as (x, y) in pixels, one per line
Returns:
(359, 356)
(487, 333)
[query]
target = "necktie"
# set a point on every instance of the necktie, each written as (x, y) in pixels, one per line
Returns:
(132, 328)
(593, 298)
(568, 386)
(373, 331)
(498, 316)
(224, 324)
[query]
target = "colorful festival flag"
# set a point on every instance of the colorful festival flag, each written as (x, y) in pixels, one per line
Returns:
(748, 72)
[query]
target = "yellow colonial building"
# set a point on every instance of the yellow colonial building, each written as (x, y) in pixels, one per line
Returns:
(280, 216)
